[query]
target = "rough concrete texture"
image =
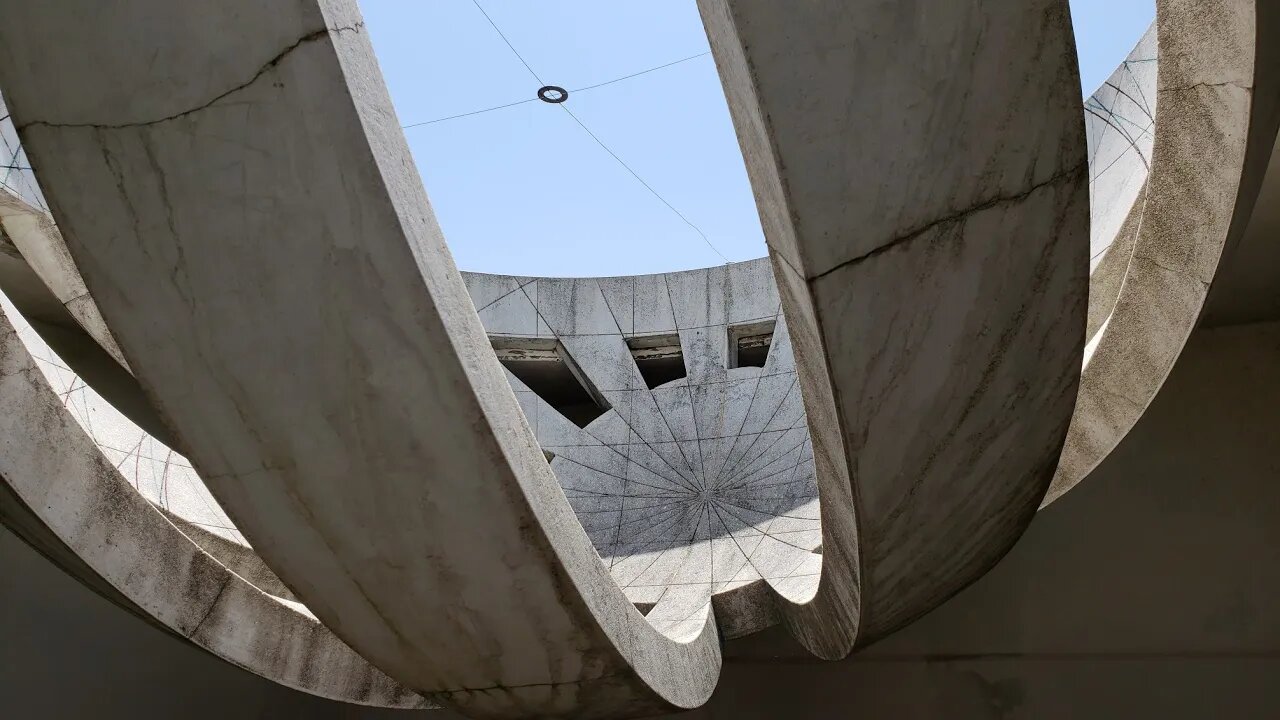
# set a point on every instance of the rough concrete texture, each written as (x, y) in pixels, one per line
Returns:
(702, 485)
(159, 474)
(952, 288)
(940, 275)
(29, 228)
(58, 474)
(1246, 287)
(16, 174)
(1120, 127)
(1212, 145)
(1092, 615)
(381, 467)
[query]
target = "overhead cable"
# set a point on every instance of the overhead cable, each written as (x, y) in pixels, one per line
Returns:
(600, 142)
(574, 90)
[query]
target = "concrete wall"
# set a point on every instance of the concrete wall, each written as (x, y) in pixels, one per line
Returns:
(65, 652)
(1148, 591)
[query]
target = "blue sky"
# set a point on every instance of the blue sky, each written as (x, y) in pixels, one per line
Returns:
(525, 190)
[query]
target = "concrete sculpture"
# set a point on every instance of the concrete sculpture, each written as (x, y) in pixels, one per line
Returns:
(249, 398)
(696, 479)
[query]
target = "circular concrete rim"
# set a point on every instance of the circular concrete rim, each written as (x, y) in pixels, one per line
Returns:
(1186, 218)
(57, 472)
(606, 313)
(325, 45)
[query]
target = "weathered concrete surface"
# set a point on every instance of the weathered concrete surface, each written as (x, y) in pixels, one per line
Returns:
(36, 237)
(926, 212)
(888, 285)
(1247, 286)
(69, 654)
(24, 216)
(80, 358)
(17, 177)
(61, 324)
(1120, 127)
(1212, 146)
(341, 398)
(156, 473)
(154, 470)
(60, 484)
(699, 488)
(1092, 615)
(236, 557)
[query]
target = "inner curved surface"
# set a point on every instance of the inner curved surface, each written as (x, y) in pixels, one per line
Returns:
(1120, 121)
(687, 486)
(707, 484)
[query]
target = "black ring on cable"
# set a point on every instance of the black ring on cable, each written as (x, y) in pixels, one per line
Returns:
(546, 94)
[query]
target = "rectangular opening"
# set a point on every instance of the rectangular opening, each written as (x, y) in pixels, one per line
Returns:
(659, 358)
(749, 343)
(549, 371)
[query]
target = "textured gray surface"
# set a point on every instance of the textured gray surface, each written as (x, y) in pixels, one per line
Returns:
(1120, 120)
(1120, 127)
(1212, 145)
(340, 398)
(702, 485)
(58, 476)
(938, 310)
(934, 286)
(1092, 614)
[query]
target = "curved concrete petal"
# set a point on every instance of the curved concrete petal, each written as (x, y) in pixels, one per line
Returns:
(1212, 145)
(247, 177)
(63, 495)
(35, 236)
(926, 212)
(81, 352)
(1107, 276)
(67, 326)
(933, 285)
(1120, 120)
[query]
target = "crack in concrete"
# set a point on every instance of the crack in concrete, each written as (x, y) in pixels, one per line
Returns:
(954, 217)
(1178, 272)
(212, 605)
(268, 66)
(1197, 86)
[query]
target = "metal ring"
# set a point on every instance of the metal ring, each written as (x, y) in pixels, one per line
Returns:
(553, 94)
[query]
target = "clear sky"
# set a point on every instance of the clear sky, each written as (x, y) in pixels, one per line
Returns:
(524, 190)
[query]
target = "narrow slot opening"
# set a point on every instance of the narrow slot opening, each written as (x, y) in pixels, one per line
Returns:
(659, 358)
(547, 369)
(749, 343)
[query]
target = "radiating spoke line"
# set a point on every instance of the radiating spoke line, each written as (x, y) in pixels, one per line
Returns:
(771, 536)
(748, 479)
(740, 471)
(764, 427)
